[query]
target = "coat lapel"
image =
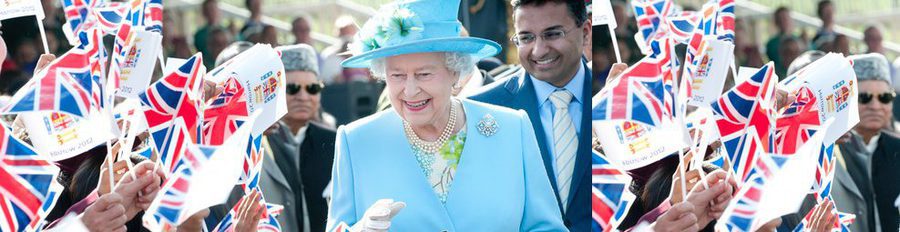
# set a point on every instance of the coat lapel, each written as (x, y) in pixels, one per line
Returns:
(270, 167)
(582, 156)
(524, 96)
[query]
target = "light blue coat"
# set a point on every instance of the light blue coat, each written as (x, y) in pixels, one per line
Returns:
(500, 182)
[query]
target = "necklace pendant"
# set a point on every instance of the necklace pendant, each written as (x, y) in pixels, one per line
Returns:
(488, 125)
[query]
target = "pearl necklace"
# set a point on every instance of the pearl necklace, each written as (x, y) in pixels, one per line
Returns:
(432, 147)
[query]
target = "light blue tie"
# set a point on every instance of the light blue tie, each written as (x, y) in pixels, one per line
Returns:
(565, 143)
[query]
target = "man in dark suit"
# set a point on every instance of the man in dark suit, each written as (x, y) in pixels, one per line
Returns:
(554, 89)
(881, 147)
(302, 151)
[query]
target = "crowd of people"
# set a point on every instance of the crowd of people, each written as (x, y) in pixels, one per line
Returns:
(511, 140)
(866, 176)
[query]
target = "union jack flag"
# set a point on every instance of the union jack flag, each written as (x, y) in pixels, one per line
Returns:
(152, 18)
(683, 25)
(725, 20)
(825, 172)
(798, 122)
(611, 198)
(28, 187)
(638, 94)
(110, 15)
(169, 211)
(252, 163)
(79, 17)
(68, 84)
(749, 105)
(225, 113)
(175, 97)
(341, 227)
(650, 15)
(741, 215)
(708, 19)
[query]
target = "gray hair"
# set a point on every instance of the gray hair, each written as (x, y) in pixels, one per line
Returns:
(460, 64)
(872, 66)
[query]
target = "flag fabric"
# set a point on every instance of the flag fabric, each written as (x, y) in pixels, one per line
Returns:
(60, 136)
(110, 15)
(797, 123)
(252, 166)
(706, 67)
(777, 185)
(68, 84)
(175, 96)
(682, 25)
(78, 17)
(725, 20)
(602, 14)
(27, 183)
(749, 105)
(650, 16)
(225, 113)
(153, 16)
(19, 8)
(611, 198)
(341, 227)
(833, 82)
(134, 55)
(264, 84)
(637, 95)
(204, 175)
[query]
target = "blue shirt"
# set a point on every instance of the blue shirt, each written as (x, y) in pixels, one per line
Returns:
(543, 91)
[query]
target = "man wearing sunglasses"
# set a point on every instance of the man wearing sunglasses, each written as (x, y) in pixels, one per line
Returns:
(302, 148)
(554, 87)
(882, 145)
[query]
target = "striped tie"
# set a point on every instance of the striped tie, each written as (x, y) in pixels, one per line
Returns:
(565, 142)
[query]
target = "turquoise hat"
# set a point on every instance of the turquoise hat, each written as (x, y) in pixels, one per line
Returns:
(415, 26)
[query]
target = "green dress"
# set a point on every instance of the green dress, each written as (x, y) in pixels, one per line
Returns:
(440, 168)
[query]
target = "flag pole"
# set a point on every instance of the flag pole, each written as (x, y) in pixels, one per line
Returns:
(682, 173)
(40, 24)
(615, 43)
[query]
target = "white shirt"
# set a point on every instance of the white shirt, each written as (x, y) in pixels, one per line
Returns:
(873, 143)
(301, 134)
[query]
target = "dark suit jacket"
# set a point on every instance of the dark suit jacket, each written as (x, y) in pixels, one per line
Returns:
(316, 158)
(518, 92)
(886, 180)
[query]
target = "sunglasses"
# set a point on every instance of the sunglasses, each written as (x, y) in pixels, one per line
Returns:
(312, 89)
(884, 98)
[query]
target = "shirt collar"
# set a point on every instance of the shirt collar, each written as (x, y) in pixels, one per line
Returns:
(301, 134)
(575, 86)
(873, 143)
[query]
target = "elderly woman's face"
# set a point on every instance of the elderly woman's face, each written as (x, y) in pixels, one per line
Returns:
(420, 86)
(302, 106)
(874, 115)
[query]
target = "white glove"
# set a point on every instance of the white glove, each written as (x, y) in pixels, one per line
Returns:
(378, 217)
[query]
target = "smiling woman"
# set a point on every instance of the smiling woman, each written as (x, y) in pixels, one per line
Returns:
(435, 162)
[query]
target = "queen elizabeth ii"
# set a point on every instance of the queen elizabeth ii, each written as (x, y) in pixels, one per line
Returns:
(434, 162)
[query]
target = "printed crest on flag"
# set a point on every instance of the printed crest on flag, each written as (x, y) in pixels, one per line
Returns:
(61, 136)
(633, 145)
(134, 60)
(706, 64)
(261, 74)
(833, 83)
